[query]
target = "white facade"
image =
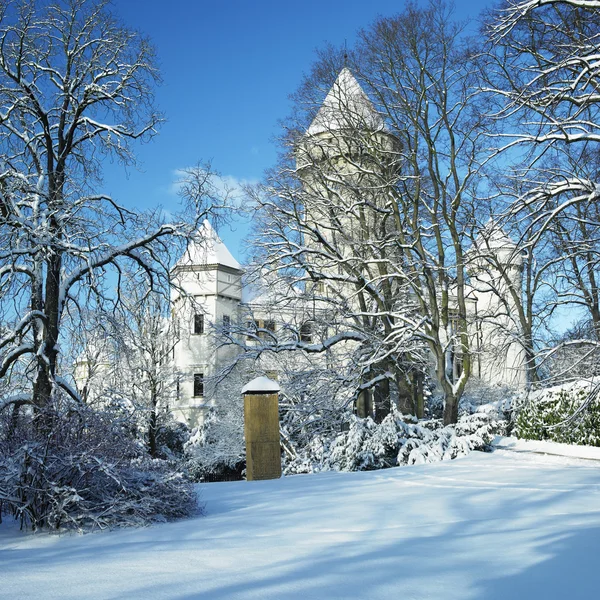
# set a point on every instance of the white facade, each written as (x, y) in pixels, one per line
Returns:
(495, 271)
(207, 289)
(206, 298)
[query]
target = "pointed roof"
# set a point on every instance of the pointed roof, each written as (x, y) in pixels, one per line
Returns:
(346, 106)
(207, 248)
(493, 237)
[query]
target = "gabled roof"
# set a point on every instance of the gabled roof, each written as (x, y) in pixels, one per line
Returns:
(207, 248)
(346, 106)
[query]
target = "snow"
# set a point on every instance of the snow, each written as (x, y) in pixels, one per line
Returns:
(346, 106)
(207, 248)
(261, 385)
(578, 385)
(490, 526)
(544, 447)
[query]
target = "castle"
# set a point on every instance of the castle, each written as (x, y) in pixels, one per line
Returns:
(208, 288)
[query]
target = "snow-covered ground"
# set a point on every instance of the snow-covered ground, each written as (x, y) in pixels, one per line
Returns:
(543, 447)
(492, 526)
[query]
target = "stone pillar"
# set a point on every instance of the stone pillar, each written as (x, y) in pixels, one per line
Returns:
(261, 429)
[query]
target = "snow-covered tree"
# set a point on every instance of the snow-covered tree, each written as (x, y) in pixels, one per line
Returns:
(76, 88)
(147, 380)
(374, 204)
(543, 74)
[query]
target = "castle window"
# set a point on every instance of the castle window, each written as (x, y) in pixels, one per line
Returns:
(258, 327)
(226, 323)
(306, 333)
(251, 327)
(198, 385)
(198, 324)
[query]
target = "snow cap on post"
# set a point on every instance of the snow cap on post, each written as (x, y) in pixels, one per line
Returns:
(261, 385)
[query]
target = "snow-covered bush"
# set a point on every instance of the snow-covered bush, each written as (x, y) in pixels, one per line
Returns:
(171, 439)
(83, 470)
(480, 395)
(216, 451)
(568, 414)
(397, 440)
(312, 407)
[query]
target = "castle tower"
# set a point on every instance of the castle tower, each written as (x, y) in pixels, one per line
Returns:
(206, 296)
(346, 157)
(346, 160)
(496, 274)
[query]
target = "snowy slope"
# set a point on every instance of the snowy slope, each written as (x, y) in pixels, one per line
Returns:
(546, 447)
(494, 526)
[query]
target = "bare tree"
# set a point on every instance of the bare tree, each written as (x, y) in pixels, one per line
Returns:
(323, 239)
(76, 87)
(147, 378)
(374, 206)
(421, 67)
(543, 73)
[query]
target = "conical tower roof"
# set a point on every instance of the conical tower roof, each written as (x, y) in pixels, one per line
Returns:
(493, 243)
(207, 248)
(493, 237)
(346, 106)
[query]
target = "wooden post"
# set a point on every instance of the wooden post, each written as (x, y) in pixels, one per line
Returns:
(261, 429)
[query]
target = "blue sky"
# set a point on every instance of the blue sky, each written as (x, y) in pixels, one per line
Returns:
(228, 68)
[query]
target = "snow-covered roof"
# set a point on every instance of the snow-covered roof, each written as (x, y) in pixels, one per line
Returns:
(268, 290)
(271, 295)
(494, 238)
(207, 248)
(346, 106)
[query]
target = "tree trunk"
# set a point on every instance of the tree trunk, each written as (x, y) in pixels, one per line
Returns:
(418, 397)
(153, 425)
(406, 403)
(450, 409)
(364, 404)
(381, 396)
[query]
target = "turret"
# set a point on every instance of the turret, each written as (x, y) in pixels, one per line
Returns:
(207, 268)
(345, 159)
(348, 161)
(347, 127)
(495, 262)
(206, 294)
(496, 273)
